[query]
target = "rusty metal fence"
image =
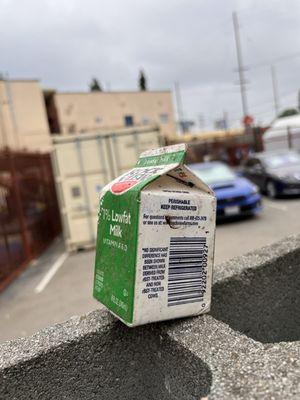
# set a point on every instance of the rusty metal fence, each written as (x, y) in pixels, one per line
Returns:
(229, 148)
(29, 214)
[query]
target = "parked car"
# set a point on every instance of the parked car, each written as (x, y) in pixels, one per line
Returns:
(235, 195)
(275, 173)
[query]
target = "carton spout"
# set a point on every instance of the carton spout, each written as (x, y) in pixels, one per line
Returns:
(163, 156)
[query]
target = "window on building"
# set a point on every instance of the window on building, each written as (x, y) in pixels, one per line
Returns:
(72, 128)
(69, 109)
(76, 192)
(164, 118)
(128, 120)
(98, 120)
(145, 121)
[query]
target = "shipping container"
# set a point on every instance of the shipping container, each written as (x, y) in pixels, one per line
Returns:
(82, 165)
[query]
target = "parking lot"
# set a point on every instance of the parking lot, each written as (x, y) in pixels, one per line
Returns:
(58, 286)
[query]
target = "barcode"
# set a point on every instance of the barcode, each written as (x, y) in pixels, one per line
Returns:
(187, 270)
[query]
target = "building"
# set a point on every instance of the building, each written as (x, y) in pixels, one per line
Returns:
(29, 115)
(23, 117)
(101, 111)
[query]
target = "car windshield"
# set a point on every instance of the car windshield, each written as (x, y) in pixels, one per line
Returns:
(213, 173)
(282, 160)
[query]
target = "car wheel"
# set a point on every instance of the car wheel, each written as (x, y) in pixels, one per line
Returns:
(271, 190)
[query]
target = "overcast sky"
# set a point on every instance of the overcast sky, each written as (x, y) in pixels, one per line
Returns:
(66, 42)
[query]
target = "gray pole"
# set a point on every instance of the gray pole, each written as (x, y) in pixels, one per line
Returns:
(275, 90)
(201, 122)
(225, 119)
(178, 105)
(241, 68)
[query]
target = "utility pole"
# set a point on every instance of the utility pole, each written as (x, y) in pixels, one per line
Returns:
(225, 119)
(201, 122)
(275, 90)
(178, 106)
(241, 69)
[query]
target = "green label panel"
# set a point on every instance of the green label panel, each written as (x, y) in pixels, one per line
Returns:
(116, 252)
(162, 159)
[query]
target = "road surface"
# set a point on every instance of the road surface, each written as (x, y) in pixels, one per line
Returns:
(57, 286)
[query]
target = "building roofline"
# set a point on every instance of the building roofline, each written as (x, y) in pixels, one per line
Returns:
(19, 80)
(116, 92)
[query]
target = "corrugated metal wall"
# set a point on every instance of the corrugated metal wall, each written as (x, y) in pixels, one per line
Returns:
(83, 164)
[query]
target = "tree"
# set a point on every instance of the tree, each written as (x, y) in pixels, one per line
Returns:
(288, 112)
(95, 86)
(142, 81)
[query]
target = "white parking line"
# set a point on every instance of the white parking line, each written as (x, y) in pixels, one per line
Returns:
(277, 206)
(52, 271)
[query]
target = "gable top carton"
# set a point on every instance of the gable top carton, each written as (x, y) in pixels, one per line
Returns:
(155, 240)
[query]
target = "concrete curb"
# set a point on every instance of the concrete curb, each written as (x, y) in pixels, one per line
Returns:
(246, 348)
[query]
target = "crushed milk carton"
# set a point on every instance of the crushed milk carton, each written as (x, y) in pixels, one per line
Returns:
(155, 242)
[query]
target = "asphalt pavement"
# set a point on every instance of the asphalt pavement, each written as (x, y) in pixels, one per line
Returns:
(58, 286)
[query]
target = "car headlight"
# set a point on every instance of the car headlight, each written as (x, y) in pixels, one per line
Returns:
(255, 190)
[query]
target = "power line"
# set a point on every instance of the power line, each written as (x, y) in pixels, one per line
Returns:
(260, 106)
(197, 92)
(253, 11)
(283, 96)
(276, 60)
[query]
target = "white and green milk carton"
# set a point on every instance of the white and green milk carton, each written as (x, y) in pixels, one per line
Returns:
(155, 241)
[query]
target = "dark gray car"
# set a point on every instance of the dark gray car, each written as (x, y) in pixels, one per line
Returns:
(275, 173)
